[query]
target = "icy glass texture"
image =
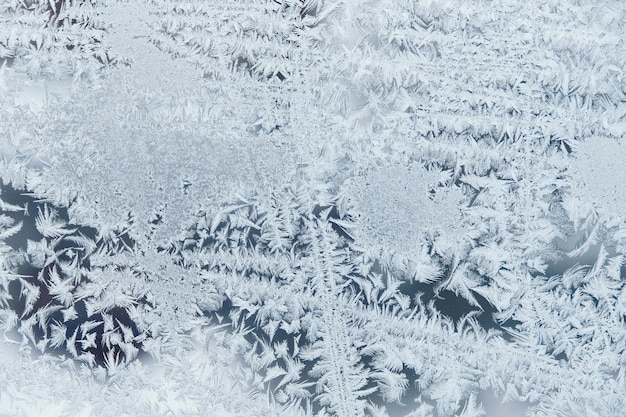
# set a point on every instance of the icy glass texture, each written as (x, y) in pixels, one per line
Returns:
(312, 208)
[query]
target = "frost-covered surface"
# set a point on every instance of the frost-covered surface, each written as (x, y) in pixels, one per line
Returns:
(312, 208)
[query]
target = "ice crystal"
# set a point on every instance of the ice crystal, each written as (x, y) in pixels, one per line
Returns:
(312, 208)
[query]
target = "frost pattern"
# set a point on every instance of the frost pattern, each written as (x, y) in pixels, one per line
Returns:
(311, 208)
(598, 164)
(398, 215)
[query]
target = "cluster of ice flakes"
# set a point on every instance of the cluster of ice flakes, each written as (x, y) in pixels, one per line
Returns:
(330, 208)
